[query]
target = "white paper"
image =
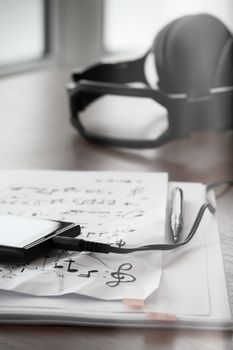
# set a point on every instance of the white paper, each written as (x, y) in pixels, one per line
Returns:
(68, 308)
(124, 209)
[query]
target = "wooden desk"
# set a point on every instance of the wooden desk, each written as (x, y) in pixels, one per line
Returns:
(35, 133)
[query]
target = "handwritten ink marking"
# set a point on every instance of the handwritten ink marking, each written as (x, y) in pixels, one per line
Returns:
(120, 243)
(135, 191)
(87, 275)
(128, 204)
(57, 201)
(60, 255)
(15, 188)
(45, 261)
(70, 269)
(129, 230)
(133, 214)
(71, 189)
(91, 233)
(7, 273)
(121, 277)
(103, 233)
(57, 266)
(25, 268)
(43, 191)
(98, 259)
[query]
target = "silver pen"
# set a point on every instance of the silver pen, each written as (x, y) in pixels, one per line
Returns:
(176, 214)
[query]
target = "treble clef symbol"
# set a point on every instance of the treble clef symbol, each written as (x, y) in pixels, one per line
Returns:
(121, 277)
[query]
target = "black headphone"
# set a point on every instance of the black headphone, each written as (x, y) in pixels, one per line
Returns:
(194, 61)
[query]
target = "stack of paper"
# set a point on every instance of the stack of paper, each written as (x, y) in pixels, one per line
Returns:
(184, 287)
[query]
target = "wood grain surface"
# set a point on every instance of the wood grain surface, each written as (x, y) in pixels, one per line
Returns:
(35, 133)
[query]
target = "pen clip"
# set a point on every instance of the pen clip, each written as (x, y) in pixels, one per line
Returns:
(176, 214)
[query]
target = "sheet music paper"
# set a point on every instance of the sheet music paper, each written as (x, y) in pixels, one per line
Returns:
(123, 209)
(199, 296)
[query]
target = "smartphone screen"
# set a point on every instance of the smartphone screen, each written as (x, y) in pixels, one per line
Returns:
(22, 231)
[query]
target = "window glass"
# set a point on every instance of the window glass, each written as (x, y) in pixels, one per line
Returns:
(131, 25)
(22, 36)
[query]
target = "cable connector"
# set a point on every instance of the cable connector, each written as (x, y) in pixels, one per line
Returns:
(79, 245)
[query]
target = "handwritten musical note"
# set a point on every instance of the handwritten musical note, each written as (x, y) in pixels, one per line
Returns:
(87, 275)
(121, 277)
(45, 261)
(70, 269)
(120, 243)
(58, 266)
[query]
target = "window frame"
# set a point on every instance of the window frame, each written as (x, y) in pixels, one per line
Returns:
(48, 53)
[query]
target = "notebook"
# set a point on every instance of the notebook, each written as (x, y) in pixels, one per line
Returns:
(191, 292)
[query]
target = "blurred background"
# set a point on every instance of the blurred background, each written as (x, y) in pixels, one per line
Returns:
(34, 33)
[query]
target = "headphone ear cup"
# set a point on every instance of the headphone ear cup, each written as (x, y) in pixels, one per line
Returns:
(224, 70)
(158, 49)
(187, 54)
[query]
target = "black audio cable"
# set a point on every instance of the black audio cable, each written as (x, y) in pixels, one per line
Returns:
(80, 245)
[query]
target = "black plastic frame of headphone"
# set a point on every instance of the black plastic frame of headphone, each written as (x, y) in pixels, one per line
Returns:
(212, 110)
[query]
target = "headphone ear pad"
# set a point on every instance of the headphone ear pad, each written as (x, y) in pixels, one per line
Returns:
(158, 49)
(188, 52)
(224, 70)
